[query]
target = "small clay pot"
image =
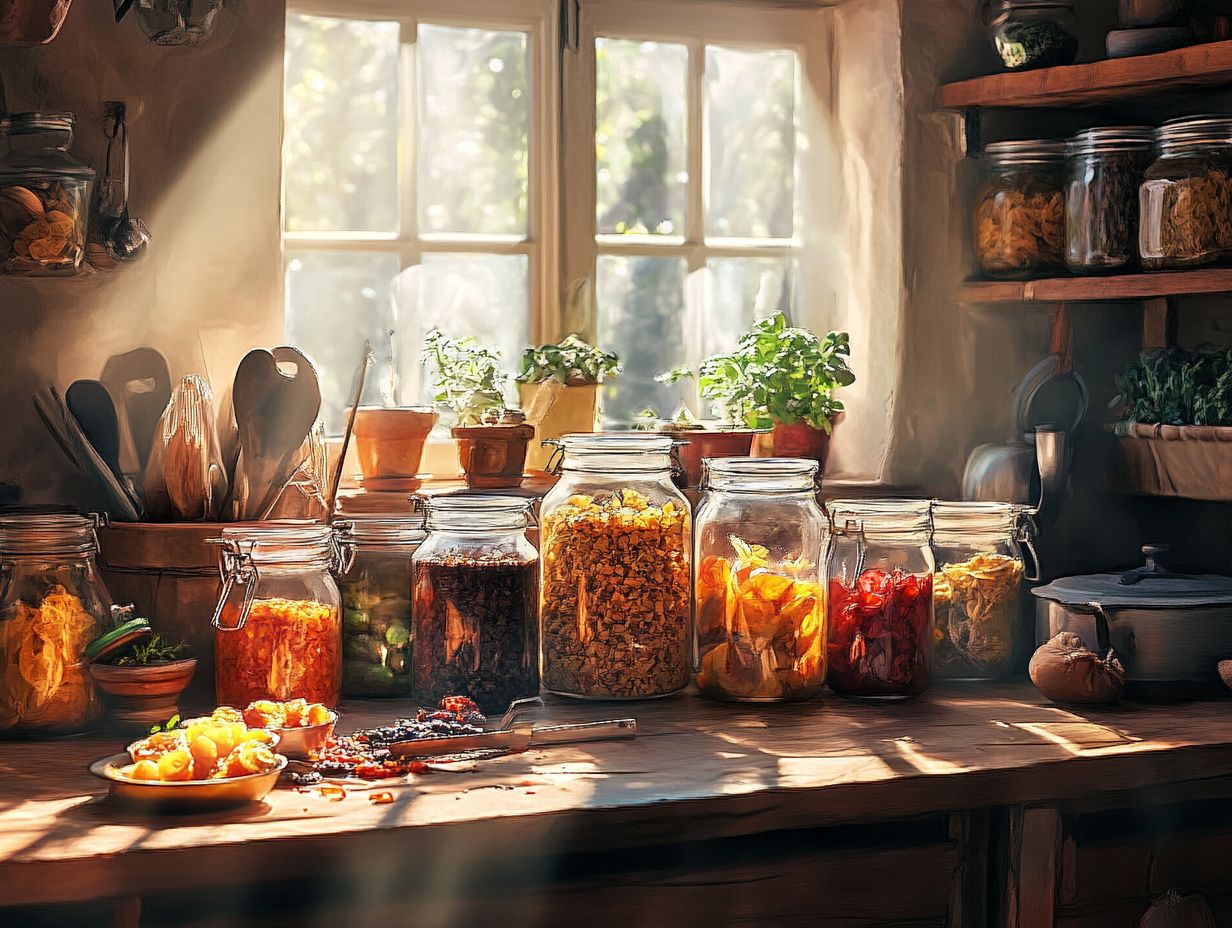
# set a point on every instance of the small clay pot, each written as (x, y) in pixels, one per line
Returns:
(493, 456)
(143, 696)
(709, 443)
(390, 443)
(799, 440)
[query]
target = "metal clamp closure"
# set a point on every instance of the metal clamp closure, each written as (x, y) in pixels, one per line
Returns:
(238, 569)
(1026, 530)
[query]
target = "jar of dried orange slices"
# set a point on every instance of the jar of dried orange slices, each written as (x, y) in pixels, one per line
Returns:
(760, 611)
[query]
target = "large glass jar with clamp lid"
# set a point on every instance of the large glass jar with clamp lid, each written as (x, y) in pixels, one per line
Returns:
(278, 625)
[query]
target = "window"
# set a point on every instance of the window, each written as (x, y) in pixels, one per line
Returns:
(424, 183)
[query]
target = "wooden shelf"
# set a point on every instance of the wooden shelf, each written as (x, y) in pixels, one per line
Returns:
(1208, 65)
(1098, 289)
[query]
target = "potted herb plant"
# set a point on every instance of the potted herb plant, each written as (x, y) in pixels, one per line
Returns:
(492, 437)
(558, 386)
(143, 673)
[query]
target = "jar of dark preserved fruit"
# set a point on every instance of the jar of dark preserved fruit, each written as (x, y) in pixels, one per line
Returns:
(1103, 171)
(1033, 33)
(476, 603)
(1020, 210)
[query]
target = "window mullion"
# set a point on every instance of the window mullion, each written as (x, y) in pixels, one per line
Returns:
(695, 189)
(408, 132)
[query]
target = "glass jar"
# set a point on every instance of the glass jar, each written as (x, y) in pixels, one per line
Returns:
(1103, 171)
(977, 589)
(52, 604)
(375, 584)
(1020, 210)
(278, 625)
(1033, 33)
(44, 197)
(476, 603)
(879, 610)
(177, 22)
(1135, 14)
(760, 611)
(615, 537)
(1185, 201)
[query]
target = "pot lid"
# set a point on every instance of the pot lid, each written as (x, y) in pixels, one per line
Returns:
(1148, 587)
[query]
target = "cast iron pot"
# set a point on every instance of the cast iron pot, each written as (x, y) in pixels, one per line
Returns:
(1170, 630)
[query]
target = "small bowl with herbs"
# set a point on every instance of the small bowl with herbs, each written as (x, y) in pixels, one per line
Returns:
(142, 673)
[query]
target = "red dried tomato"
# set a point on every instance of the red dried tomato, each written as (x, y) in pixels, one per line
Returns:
(880, 641)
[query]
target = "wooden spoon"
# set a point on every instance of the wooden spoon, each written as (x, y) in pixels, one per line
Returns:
(94, 410)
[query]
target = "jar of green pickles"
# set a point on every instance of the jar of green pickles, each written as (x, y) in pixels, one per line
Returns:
(375, 582)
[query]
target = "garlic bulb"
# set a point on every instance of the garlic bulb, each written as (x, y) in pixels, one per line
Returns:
(1067, 671)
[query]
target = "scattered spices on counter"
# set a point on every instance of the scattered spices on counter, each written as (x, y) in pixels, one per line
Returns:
(1020, 231)
(42, 228)
(376, 622)
(365, 754)
(760, 626)
(1186, 221)
(381, 799)
(286, 649)
(976, 608)
(880, 634)
(616, 597)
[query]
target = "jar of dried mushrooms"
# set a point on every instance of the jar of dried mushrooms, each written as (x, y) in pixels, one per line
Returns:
(1020, 210)
(1103, 171)
(616, 546)
(1186, 195)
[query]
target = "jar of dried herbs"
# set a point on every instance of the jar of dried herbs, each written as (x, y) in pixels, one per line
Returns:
(977, 588)
(1033, 33)
(1020, 210)
(616, 541)
(1103, 171)
(1186, 196)
(476, 603)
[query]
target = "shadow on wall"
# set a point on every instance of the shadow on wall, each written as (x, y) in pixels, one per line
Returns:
(205, 133)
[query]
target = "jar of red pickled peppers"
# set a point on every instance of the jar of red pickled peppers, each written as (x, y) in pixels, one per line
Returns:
(879, 574)
(278, 624)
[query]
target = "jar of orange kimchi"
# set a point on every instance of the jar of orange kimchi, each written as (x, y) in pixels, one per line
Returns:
(278, 624)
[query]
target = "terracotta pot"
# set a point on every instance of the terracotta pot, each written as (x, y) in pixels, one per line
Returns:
(142, 697)
(390, 443)
(493, 456)
(555, 409)
(709, 443)
(31, 22)
(799, 440)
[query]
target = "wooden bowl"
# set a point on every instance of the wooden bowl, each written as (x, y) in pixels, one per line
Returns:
(144, 696)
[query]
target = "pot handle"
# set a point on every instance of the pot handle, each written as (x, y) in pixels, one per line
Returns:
(1103, 634)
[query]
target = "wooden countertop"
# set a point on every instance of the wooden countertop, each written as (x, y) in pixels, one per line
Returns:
(698, 770)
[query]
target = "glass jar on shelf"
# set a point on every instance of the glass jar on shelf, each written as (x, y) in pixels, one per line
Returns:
(278, 624)
(44, 196)
(52, 604)
(879, 609)
(1020, 209)
(1103, 171)
(476, 603)
(1185, 202)
(375, 583)
(1033, 33)
(977, 589)
(178, 22)
(616, 542)
(760, 610)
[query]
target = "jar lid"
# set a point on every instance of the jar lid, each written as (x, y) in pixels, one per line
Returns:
(962, 520)
(276, 544)
(382, 532)
(1102, 139)
(1025, 151)
(477, 513)
(881, 516)
(617, 452)
(47, 533)
(49, 160)
(760, 475)
(1017, 6)
(1194, 130)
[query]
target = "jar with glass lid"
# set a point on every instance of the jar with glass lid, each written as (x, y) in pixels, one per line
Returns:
(278, 624)
(760, 610)
(879, 608)
(616, 542)
(1033, 33)
(476, 602)
(1185, 202)
(52, 604)
(375, 583)
(977, 589)
(44, 196)
(1020, 209)
(1103, 171)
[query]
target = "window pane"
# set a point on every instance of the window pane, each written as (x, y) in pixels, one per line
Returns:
(485, 296)
(641, 317)
(474, 113)
(340, 153)
(336, 300)
(641, 98)
(750, 176)
(738, 292)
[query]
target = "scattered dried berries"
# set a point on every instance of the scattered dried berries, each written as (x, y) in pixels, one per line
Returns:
(1020, 231)
(880, 634)
(365, 754)
(616, 597)
(976, 608)
(287, 649)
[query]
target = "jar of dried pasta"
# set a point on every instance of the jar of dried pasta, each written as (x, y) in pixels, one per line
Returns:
(53, 603)
(1020, 210)
(278, 624)
(977, 589)
(1185, 202)
(615, 543)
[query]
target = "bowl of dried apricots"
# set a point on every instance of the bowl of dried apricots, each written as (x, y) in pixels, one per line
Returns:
(302, 727)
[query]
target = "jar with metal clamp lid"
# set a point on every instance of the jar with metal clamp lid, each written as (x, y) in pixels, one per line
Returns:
(1020, 210)
(278, 624)
(375, 583)
(760, 610)
(52, 604)
(879, 610)
(977, 589)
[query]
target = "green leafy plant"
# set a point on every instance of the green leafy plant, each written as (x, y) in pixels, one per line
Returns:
(154, 650)
(468, 379)
(1173, 386)
(570, 361)
(721, 380)
(170, 725)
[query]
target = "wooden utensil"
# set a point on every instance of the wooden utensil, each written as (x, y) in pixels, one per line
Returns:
(140, 382)
(94, 410)
(336, 481)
